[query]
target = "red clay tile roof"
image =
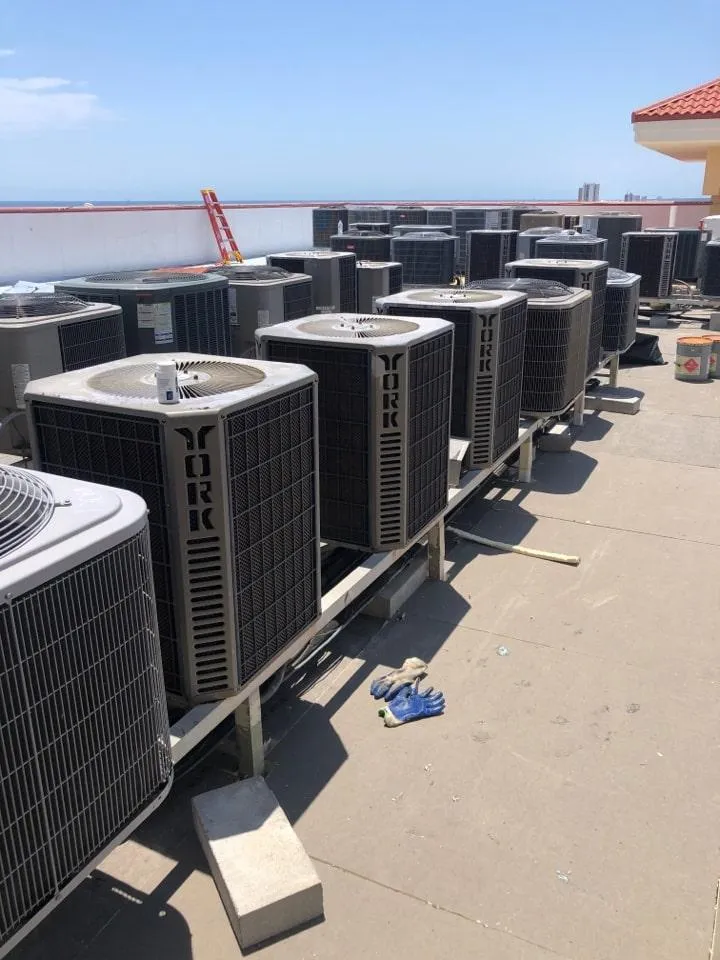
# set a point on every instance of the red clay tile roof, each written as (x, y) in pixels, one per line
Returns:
(700, 103)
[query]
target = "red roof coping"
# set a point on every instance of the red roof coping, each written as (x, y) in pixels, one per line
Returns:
(700, 103)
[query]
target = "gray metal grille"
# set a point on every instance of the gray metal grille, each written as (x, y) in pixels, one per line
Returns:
(376, 280)
(652, 255)
(441, 216)
(96, 297)
(403, 229)
(555, 356)
(515, 214)
(325, 224)
(593, 279)
(83, 725)
(380, 226)
(487, 253)
(202, 322)
(348, 284)
(366, 245)
(407, 215)
(297, 300)
(149, 277)
(611, 228)
(486, 401)
(366, 409)
(249, 272)
(470, 219)
(621, 303)
(271, 460)
(578, 246)
(200, 318)
(463, 320)
(527, 240)
(88, 342)
(368, 215)
(344, 428)
(127, 450)
(395, 276)
(508, 383)
(425, 259)
(688, 250)
(291, 264)
(540, 219)
(596, 282)
(430, 375)
(709, 280)
(323, 268)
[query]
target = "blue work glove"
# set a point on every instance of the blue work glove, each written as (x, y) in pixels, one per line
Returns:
(411, 704)
(389, 686)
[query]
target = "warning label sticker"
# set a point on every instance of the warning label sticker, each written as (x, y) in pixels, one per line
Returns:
(157, 317)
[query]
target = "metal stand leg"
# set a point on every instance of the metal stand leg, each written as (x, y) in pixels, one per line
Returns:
(436, 551)
(525, 461)
(614, 369)
(579, 410)
(249, 737)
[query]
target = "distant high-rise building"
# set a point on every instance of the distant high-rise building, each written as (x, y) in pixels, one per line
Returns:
(634, 196)
(589, 192)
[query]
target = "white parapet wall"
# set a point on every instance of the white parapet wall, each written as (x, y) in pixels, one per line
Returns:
(54, 244)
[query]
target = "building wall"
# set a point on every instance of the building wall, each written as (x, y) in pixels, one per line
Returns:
(654, 213)
(44, 243)
(55, 245)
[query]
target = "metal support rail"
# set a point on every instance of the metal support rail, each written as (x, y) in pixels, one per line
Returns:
(611, 361)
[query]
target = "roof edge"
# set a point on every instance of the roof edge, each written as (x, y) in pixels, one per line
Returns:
(635, 116)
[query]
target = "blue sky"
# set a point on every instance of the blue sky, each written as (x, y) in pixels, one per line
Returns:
(319, 100)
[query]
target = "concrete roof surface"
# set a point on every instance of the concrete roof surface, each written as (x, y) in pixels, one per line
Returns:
(566, 804)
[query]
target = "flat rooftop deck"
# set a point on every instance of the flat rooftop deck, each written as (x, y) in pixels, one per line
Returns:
(567, 803)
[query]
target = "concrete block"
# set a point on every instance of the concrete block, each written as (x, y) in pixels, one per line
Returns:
(458, 450)
(659, 321)
(558, 439)
(11, 460)
(267, 882)
(614, 400)
(385, 604)
(714, 323)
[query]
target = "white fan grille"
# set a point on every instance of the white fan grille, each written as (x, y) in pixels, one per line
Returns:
(26, 505)
(357, 327)
(21, 306)
(196, 378)
(465, 297)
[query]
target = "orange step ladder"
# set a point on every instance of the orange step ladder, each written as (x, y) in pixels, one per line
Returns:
(229, 251)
